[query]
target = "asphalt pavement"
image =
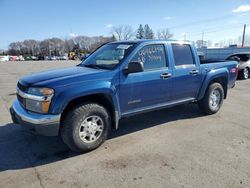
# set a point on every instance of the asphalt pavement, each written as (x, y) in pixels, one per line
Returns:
(176, 147)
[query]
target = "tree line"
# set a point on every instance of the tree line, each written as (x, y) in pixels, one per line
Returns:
(126, 32)
(57, 46)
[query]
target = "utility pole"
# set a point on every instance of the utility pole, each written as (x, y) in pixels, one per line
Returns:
(185, 36)
(202, 39)
(243, 37)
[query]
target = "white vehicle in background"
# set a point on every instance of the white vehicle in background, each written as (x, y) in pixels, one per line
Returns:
(20, 58)
(4, 58)
(34, 58)
(53, 58)
(63, 57)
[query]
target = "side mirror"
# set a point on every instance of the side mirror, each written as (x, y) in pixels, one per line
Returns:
(134, 67)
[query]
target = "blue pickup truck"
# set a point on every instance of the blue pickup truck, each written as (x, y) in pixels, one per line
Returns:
(119, 79)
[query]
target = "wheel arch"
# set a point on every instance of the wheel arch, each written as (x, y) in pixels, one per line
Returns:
(100, 98)
(221, 79)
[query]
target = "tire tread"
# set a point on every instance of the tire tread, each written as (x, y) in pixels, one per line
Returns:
(67, 128)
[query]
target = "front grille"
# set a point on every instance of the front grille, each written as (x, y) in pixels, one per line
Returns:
(22, 87)
(21, 100)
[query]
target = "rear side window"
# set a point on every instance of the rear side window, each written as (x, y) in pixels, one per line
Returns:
(152, 56)
(244, 57)
(182, 54)
(240, 57)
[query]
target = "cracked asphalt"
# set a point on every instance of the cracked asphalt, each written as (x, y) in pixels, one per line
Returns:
(176, 147)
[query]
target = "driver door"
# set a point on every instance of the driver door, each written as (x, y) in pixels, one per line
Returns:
(147, 89)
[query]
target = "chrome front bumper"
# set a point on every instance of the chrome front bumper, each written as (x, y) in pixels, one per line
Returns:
(44, 124)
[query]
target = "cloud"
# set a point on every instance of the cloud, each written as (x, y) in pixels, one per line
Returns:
(73, 35)
(109, 25)
(242, 8)
(169, 18)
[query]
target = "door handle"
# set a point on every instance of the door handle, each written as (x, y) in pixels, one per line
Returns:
(194, 72)
(165, 75)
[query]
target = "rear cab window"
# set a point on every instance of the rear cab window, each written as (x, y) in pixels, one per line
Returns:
(183, 55)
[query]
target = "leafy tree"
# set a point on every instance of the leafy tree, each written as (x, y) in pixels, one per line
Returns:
(148, 32)
(140, 32)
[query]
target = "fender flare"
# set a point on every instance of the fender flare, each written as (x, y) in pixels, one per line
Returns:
(213, 75)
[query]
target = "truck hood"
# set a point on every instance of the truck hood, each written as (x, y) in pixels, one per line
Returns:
(57, 75)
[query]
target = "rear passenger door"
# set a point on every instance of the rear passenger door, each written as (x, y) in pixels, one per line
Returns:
(186, 73)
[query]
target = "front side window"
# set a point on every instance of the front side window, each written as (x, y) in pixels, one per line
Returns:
(108, 56)
(182, 54)
(152, 57)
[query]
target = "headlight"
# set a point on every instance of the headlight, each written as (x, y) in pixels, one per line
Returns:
(40, 91)
(39, 99)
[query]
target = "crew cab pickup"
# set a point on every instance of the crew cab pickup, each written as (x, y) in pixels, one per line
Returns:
(119, 79)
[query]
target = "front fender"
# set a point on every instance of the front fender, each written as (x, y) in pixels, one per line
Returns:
(210, 76)
(66, 94)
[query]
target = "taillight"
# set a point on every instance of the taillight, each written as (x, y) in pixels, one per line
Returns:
(235, 70)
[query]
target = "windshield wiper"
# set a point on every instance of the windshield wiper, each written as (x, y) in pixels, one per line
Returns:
(95, 66)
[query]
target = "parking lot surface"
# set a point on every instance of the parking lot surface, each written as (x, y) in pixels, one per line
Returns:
(176, 147)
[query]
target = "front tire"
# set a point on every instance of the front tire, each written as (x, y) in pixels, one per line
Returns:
(85, 127)
(213, 99)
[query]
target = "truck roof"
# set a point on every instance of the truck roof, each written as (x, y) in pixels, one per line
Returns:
(144, 40)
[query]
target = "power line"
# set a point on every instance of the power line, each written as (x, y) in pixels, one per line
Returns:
(216, 31)
(229, 16)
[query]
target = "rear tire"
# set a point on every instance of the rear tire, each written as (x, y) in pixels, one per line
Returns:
(245, 73)
(85, 127)
(212, 100)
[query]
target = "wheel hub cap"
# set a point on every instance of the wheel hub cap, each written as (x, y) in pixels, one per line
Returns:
(245, 73)
(215, 99)
(91, 129)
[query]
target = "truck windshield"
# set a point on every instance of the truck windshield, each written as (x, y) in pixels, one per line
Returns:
(108, 56)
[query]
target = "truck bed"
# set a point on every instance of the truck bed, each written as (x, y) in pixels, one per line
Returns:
(219, 65)
(212, 61)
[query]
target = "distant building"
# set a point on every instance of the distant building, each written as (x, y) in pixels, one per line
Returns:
(203, 43)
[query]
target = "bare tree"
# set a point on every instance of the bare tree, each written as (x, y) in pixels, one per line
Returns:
(164, 34)
(45, 47)
(69, 45)
(123, 32)
(15, 48)
(56, 46)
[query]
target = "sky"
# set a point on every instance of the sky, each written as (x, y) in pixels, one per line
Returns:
(41, 19)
